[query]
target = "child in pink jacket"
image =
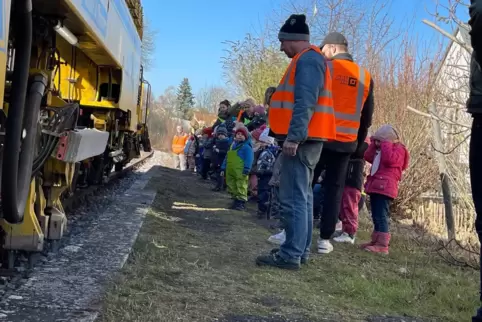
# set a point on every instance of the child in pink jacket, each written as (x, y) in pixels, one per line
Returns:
(389, 158)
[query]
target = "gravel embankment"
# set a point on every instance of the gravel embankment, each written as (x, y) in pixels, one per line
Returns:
(81, 218)
(97, 243)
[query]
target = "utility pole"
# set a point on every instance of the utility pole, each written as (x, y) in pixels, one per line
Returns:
(443, 173)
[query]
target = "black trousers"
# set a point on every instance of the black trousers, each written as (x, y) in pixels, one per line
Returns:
(475, 164)
(220, 182)
(206, 167)
(336, 165)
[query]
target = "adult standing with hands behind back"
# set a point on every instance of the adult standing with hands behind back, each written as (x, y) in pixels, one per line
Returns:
(353, 103)
(301, 116)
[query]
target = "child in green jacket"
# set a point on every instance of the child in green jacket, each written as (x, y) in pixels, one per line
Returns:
(236, 167)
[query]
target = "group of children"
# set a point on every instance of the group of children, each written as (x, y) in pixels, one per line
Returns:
(238, 153)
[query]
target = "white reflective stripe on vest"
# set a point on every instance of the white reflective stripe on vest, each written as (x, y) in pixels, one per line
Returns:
(285, 87)
(289, 106)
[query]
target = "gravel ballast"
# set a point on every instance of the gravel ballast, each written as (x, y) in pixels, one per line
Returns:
(67, 285)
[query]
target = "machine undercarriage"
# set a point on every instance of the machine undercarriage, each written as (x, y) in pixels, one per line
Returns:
(71, 114)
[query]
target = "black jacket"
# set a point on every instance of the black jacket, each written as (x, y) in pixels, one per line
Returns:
(354, 174)
(365, 120)
(256, 122)
(196, 145)
(356, 168)
(223, 147)
(474, 103)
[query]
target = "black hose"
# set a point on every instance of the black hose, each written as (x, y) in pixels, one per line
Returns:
(17, 177)
(52, 144)
(45, 152)
(17, 159)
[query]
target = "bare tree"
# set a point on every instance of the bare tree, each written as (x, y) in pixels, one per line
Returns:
(208, 98)
(252, 65)
(369, 32)
(401, 72)
(162, 119)
(148, 45)
(168, 100)
(402, 77)
(450, 91)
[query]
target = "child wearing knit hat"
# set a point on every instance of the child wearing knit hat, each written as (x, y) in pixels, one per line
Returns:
(207, 143)
(259, 118)
(265, 161)
(389, 159)
(220, 149)
(236, 167)
(253, 179)
(191, 150)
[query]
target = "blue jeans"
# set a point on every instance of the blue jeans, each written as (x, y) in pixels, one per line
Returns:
(296, 200)
(380, 206)
(263, 192)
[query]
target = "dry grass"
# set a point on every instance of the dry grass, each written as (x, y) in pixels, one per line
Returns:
(194, 261)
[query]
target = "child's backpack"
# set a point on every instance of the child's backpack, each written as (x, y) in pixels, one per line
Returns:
(266, 161)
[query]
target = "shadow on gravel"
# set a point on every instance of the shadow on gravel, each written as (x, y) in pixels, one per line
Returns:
(194, 261)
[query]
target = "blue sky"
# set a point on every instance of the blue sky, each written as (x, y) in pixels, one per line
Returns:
(191, 32)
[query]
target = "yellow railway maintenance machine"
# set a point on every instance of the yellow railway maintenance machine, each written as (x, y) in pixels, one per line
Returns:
(72, 93)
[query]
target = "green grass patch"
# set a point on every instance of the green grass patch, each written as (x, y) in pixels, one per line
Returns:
(194, 261)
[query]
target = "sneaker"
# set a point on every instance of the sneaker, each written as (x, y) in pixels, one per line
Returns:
(274, 260)
(344, 238)
(240, 205)
(303, 260)
(324, 246)
(278, 238)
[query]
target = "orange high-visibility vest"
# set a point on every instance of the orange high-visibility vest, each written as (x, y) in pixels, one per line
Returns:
(322, 123)
(350, 85)
(240, 115)
(178, 143)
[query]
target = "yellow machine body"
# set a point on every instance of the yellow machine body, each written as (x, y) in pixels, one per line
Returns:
(90, 52)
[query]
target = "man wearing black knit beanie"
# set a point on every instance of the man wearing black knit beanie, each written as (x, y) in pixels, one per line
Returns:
(301, 117)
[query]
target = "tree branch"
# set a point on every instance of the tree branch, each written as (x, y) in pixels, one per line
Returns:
(448, 35)
(435, 117)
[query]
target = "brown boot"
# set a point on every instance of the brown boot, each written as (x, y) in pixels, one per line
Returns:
(373, 242)
(381, 246)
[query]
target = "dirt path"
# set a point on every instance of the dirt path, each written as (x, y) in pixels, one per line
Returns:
(194, 261)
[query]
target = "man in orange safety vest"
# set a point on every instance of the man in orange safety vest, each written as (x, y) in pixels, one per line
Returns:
(353, 104)
(178, 143)
(302, 118)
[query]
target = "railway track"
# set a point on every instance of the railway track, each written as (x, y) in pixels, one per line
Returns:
(81, 194)
(11, 273)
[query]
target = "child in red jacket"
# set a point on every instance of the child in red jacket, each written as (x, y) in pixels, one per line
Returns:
(389, 158)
